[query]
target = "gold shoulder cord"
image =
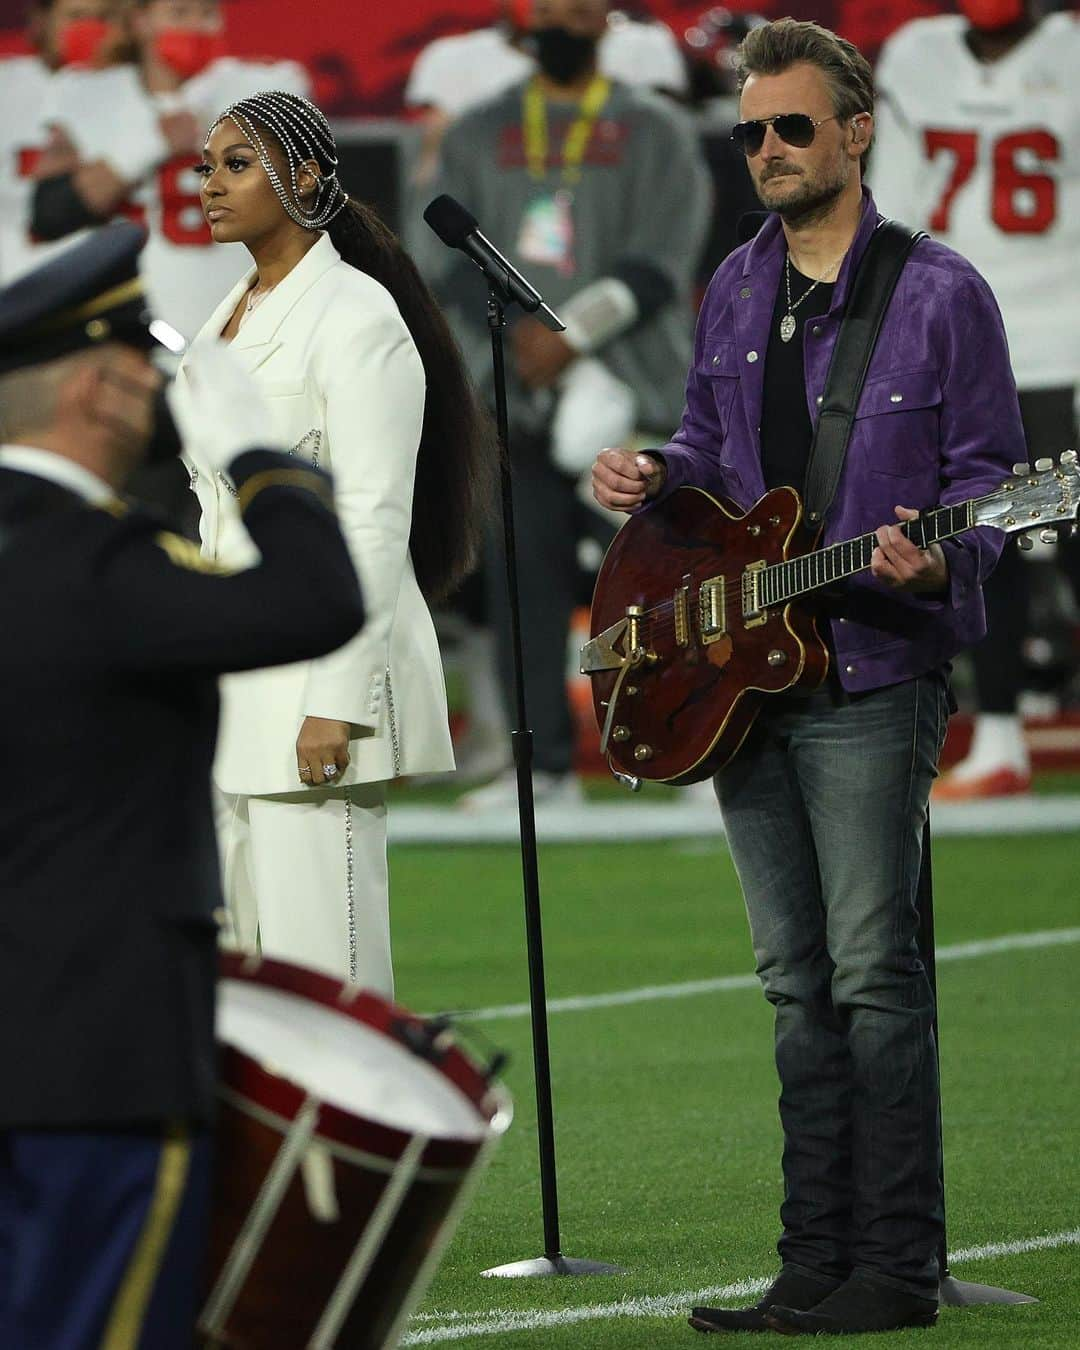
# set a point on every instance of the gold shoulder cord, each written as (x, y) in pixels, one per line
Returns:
(577, 138)
(301, 478)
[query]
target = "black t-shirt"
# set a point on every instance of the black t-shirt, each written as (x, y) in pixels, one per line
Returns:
(786, 430)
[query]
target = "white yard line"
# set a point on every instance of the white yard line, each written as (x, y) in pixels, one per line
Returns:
(649, 993)
(453, 1326)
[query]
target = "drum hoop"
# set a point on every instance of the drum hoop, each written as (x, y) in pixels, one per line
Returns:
(280, 1097)
(374, 1012)
(356, 1157)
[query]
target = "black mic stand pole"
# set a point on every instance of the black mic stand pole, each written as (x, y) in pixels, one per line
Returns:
(952, 1293)
(552, 1262)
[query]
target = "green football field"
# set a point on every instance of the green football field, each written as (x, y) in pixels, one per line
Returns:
(666, 1130)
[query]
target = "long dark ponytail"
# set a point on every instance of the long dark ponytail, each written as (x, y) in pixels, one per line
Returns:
(458, 455)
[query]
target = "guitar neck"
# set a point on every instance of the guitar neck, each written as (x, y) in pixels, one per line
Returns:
(786, 581)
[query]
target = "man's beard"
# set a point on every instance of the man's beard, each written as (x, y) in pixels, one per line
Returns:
(811, 201)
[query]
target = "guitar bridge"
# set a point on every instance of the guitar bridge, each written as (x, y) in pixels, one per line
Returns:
(712, 610)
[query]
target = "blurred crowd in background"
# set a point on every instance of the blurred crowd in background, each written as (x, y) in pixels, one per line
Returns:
(618, 192)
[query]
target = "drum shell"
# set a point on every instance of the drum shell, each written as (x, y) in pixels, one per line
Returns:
(392, 1192)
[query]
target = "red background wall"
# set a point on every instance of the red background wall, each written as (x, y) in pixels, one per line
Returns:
(360, 53)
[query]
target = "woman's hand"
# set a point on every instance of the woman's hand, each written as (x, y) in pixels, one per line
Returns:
(322, 751)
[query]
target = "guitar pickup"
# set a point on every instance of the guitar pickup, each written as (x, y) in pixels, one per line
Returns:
(712, 610)
(754, 613)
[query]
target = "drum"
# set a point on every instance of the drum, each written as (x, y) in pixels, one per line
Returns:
(350, 1135)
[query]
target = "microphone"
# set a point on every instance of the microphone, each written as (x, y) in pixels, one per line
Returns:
(459, 228)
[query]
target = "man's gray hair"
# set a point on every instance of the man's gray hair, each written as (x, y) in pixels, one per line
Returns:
(772, 48)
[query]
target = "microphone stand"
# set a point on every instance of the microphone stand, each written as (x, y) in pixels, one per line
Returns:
(952, 1293)
(552, 1262)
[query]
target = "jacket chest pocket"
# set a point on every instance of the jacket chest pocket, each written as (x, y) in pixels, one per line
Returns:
(718, 371)
(899, 423)
(294, 413)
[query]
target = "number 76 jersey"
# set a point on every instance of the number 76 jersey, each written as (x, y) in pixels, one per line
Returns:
(986, 157)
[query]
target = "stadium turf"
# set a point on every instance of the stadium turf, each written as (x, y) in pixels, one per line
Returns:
(666, 1132)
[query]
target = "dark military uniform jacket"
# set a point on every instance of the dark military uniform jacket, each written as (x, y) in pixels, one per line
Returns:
(112, 635)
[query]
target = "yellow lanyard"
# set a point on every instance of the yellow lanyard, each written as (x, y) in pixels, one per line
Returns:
(577, 138)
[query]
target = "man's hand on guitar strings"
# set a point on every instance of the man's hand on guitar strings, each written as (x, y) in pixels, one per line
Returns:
(903, 565)
(622, 480)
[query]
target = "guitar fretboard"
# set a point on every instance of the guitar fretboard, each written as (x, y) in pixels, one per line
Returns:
(781, 582)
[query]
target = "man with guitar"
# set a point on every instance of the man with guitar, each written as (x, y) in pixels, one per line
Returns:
(825, 800)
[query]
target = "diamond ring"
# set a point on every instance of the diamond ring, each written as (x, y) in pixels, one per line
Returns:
(329, 770)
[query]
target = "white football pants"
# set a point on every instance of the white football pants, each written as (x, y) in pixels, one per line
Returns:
(305, 880)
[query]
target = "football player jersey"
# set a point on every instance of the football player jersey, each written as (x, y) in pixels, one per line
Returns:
(109, 115)
(25, 81)
(985, 156)
(456, 73)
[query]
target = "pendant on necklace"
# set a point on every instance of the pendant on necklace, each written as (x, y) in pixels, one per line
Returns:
(787, 327)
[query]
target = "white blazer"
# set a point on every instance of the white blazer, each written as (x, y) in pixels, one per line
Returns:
(331, 352)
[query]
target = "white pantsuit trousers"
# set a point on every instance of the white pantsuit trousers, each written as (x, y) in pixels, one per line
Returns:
(305, 880)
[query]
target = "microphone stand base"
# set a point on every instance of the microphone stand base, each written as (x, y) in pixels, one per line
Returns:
(546, 1265)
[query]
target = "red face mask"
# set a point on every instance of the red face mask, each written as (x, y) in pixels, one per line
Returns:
(991, 15)
(187, 51)
(81, 42)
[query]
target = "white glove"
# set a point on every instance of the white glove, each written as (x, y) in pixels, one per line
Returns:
(219, 409)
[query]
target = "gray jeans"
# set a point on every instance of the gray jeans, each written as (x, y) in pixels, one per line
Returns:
(824, 808)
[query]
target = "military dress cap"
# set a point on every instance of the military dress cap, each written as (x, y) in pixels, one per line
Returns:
(91, 293)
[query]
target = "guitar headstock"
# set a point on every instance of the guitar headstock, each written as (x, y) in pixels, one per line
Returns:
(1039, 497)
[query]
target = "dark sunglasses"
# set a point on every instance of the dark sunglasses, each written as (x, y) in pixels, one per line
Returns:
(793, 129)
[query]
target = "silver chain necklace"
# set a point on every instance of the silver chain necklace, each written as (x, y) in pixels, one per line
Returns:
(788, 323)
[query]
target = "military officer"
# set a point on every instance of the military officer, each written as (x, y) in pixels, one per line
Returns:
(114, 632)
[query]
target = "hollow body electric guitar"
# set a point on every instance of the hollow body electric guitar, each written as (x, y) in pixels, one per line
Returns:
(696, 616)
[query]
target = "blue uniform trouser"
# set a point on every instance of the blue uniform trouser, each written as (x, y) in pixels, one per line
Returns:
(102, 1237)
(824, 809)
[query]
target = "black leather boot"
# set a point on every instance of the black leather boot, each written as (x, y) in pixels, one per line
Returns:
(794, 1287)
(862, 1303)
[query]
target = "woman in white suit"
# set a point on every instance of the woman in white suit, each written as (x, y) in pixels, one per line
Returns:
(361, 372)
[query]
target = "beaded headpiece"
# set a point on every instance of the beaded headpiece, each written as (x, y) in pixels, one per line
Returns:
(304, 134)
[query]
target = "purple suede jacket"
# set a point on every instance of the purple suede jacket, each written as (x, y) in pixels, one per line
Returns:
(938, 422)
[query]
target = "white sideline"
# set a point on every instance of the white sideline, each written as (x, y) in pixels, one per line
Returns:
(956, 951)
(452, 1326)
(678, 814)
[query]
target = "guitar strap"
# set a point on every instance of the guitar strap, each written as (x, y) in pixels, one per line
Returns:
(871, 291)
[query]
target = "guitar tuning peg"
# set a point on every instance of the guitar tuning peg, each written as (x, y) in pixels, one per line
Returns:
(1041, 465)
(1021, 470)
(1048, 536)
(1025, 542)
(1068, 458)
